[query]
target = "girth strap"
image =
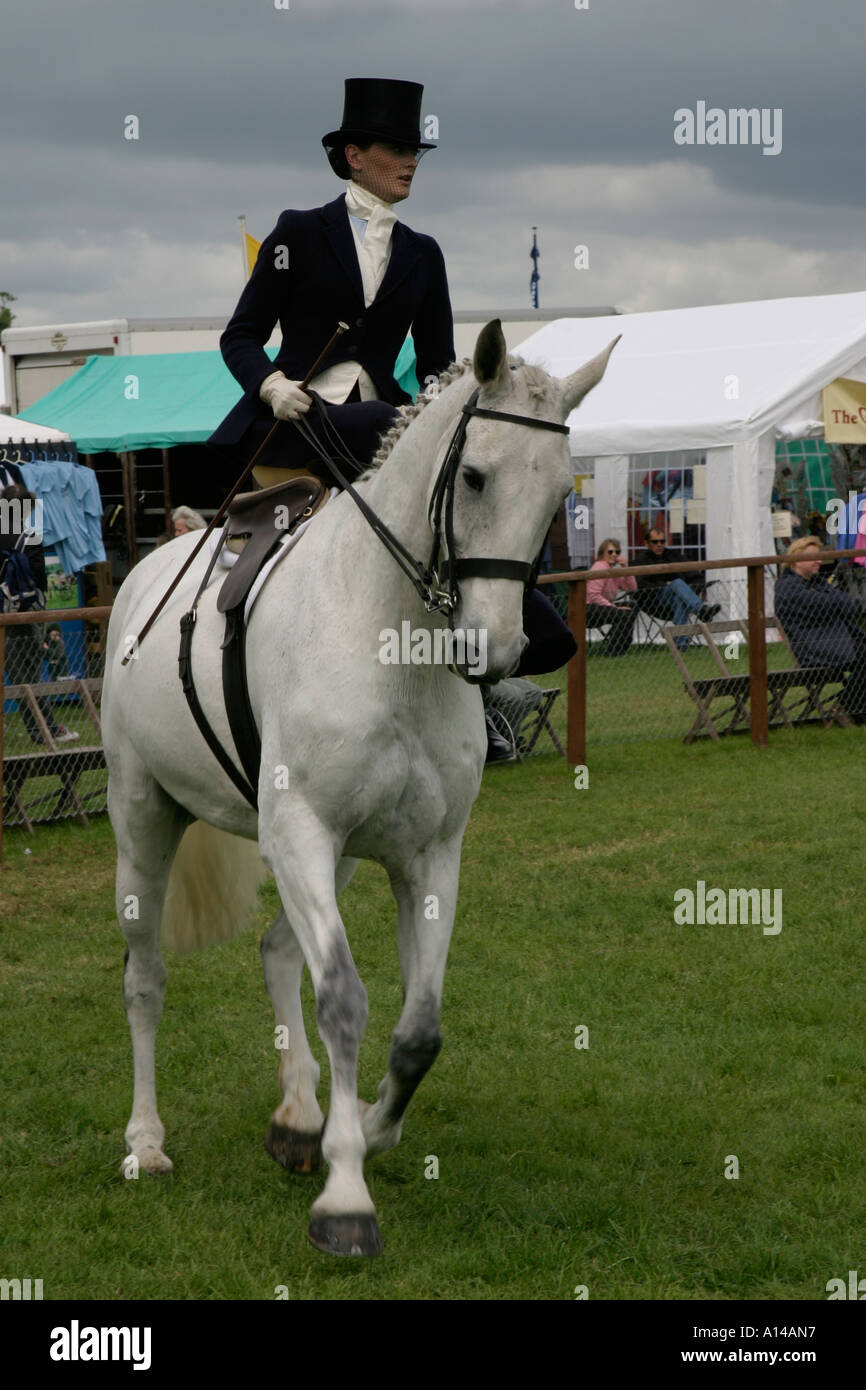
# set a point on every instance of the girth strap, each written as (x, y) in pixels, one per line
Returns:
(237, 696)
(184, 663)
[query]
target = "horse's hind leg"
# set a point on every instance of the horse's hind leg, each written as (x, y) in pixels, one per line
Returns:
(426, 893)
(295, 1135)
(148, 827)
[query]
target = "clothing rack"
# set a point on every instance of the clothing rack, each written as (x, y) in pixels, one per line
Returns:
(68, 490)
(40, 451)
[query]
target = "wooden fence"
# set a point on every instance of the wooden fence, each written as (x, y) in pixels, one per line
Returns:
(66, 762)
(757, 636)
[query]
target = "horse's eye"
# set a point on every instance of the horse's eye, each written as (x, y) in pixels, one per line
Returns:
(474, 479)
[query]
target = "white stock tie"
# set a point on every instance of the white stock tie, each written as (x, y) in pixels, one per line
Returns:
(374, 251)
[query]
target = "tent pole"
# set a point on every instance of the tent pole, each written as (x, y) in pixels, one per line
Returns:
(166, 489)
(127, 463)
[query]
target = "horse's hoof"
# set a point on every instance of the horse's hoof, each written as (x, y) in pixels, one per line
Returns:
(300, 1153)
(346, 1235)
(152, 1161)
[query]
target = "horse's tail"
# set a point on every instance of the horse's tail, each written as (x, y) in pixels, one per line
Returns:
(212, 888)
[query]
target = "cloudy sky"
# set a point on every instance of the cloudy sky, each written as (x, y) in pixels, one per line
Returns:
(548, 115)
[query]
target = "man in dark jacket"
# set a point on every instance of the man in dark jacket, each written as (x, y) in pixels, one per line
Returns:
(820, 622)
(351, 260)
(671, 596)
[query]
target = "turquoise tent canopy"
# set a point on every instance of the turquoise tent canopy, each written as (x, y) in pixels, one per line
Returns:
(155, 400)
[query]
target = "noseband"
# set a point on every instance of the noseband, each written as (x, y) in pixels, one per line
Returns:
(437, 582)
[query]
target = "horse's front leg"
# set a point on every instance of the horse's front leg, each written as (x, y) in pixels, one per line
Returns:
(302, 855)
(295, 1134)
(426, 893)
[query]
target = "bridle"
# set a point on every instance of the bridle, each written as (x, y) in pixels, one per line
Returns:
(437, 582)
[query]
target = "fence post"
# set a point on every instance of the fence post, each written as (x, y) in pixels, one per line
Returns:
(576, 671)
(757, 658)
(2, 722)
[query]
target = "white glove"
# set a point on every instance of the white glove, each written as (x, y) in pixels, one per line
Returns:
(285, 397)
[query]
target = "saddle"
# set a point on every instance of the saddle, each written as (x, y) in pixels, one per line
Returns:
(256, 524)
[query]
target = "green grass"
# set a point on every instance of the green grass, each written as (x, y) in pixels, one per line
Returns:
(557, 1167)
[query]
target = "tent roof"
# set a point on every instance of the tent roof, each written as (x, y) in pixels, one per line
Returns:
(672, 381)
(14, 430)
(181, 398)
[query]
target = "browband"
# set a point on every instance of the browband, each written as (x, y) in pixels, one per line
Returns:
(517, 419)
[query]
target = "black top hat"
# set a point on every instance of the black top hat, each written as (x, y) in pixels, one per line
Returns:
(376, 108)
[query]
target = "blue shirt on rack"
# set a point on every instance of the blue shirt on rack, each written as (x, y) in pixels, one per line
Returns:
(71, 511)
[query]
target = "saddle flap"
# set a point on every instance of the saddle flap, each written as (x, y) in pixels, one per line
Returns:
(258, 520)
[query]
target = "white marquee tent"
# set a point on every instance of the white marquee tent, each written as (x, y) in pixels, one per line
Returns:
(729, 379)
(14, 430)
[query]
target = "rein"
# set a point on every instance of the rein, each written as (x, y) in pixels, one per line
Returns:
(436, 583)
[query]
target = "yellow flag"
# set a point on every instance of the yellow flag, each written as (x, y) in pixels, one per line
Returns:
(253, 249)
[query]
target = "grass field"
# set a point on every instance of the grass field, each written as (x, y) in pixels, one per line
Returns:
(557, 1167)
(638, 697)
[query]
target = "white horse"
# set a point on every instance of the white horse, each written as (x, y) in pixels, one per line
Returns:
(360, 759)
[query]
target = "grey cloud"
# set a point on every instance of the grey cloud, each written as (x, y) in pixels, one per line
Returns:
(548, 115)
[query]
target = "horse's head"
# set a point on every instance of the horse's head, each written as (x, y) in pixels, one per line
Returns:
(510, 480)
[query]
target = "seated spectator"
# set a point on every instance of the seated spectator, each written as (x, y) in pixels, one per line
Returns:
(821, 623)
(602, 608)
(185, 519)
(671, 596)
(55, 654)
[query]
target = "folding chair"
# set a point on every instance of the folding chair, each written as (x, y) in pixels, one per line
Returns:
(520, 712)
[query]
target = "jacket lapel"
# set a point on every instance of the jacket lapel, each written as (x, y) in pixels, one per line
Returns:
(404, 258)
(338, 234)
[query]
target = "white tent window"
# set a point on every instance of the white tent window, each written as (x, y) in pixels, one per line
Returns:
(668, 490)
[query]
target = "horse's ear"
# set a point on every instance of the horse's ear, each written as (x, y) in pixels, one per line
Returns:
(490, 363)
(581, 382)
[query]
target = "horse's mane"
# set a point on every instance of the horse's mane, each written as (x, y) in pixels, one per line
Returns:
(535, 378)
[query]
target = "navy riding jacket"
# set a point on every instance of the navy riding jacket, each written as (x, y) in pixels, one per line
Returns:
(317, 285)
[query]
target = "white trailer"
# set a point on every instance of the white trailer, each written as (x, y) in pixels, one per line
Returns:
(35, 360)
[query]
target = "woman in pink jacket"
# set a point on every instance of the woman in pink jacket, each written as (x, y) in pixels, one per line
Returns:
(602, 608)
